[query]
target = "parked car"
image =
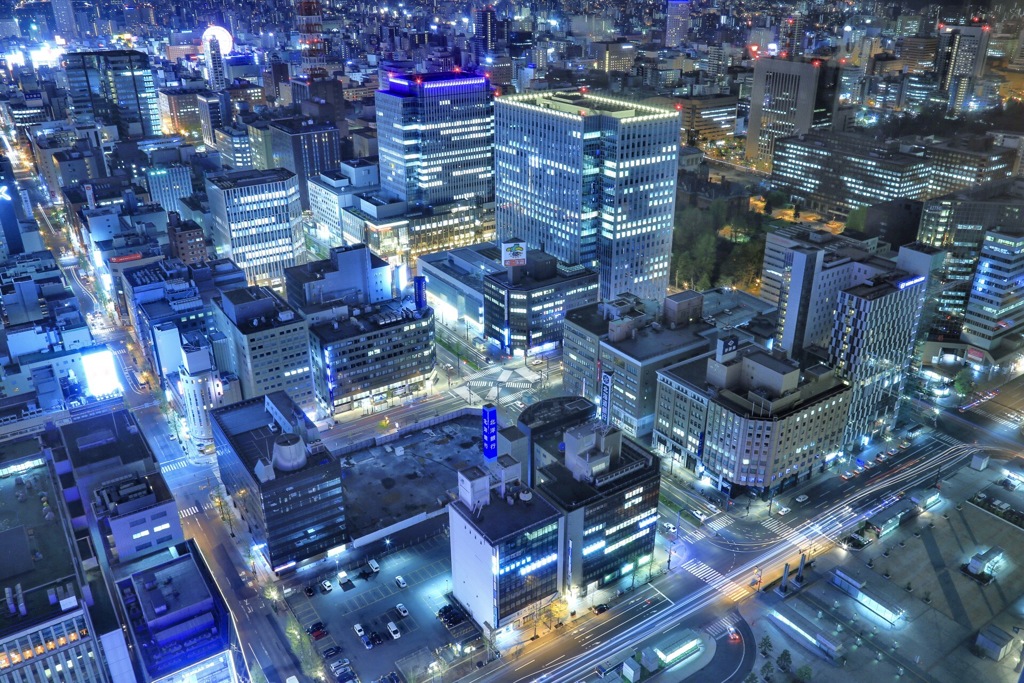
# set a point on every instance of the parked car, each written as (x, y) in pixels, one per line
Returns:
(358, 628)
(375, 638)
(317, 635)
(401, 582)
(393, 630)
(308, 590)
(402, 610)
(325, 586)
(331, 651)
(601, 608)
(847, 475)
(802, 498)
(315, 627)
(367, 643)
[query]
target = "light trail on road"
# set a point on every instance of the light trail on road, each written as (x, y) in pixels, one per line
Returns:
(828, 527)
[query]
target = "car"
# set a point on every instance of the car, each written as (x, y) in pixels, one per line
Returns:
(325, 586)
(904, 445)
(536, 362)
(393, 630)
(358, 628)
(339, 666)
(402, 610)
(733, 633)
(489, 360)
(858, 469)
(331, 651)
(893, 451)
(601, 608)
(308, 590)
(317, 635)
(868, 464)
(701, 516)
(401, 582)
(783, 510)
(367, 643)
(847, 475)
(318, 626)
(346, 676)
(173, 437)
(802, 498)
(669, 527)
(375, 638)
(881, 457)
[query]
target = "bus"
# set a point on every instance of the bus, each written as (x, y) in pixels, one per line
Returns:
(914, 430)
(612, 664)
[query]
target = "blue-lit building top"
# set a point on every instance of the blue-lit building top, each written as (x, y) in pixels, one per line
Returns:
(435, 134)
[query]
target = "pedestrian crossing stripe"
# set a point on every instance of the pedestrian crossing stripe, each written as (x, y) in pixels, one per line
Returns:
(719, 523)
(693, 536)
(715, 579)
(171, 466)
(188, 511)
(721, 626)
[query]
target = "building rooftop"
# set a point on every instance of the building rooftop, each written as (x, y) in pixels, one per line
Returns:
(36, 541)
(579, 104)
(500, 519)
(236, 179)
(388, 314)
(301, 125)
(414, 474)
(95, 441)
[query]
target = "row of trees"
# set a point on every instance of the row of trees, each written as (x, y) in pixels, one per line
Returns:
(784, 663)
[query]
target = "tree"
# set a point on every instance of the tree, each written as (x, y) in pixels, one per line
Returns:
(556, 611)
(767, 669)
(768, 208)
(766, 645)
(751, 678)
(804, 674)
(784, 660)
(963, 383)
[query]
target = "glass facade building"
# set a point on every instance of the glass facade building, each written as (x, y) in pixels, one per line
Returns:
(116, 87)
(435, 134)
(590, 181)
(257, 221)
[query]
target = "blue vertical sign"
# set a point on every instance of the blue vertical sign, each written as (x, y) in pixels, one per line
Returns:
(489, 413)
(606, 397)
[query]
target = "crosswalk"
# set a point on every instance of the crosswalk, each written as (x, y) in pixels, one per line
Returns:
(718, 628)
(719, 522)
(517, 385)
(171, 466)
(193, 510)
(693, 537)
(778, 526)
(715, 579)
(947, 439)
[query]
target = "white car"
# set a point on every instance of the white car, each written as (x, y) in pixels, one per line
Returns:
(669, 527)
(783, 510)
(358, 628)
(401, 582)
(402, 610)
(701, 516)
(802, 498)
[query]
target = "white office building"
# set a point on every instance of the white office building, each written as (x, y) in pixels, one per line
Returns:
(591, 181)
(257, 221)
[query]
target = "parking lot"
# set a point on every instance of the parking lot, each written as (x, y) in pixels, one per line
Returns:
(370, 600)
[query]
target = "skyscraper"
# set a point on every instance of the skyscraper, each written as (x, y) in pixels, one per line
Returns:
(257, 221)
(961, 61)
(677, 22)
(116, 87)
(214, 64)
(591, 181)
(305, 148)
(64, 18)
(784, 101)
(434, 135)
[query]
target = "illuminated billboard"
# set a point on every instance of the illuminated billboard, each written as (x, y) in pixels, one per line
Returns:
(513, 254)
(101, 377)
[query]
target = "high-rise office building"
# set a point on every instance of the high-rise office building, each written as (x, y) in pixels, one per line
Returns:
(116, 87)
(179, 112)
(872, 341)
(792, 37)
(994, 308)
(568, 171)
(788, 98)
(958, 222)
(215, 77)
(167, 183)
(918, 53)
(485, 31)
(64, 18)
(834, 173)
(305, 148)
(214, 113)
(961, 61)
(677, 22)
(435, 133)
(257, 221)
(268, 344)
